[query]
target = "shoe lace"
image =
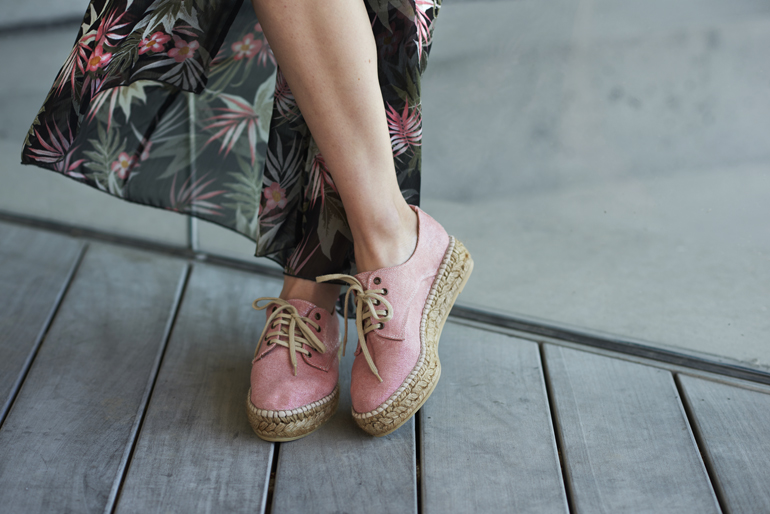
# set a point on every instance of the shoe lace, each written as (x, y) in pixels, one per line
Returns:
(367, 301)
(285, 321)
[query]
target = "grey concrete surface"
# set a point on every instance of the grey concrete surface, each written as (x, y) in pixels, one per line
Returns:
(606, 161)
(610, 160)
(39, 12)
(216, 240)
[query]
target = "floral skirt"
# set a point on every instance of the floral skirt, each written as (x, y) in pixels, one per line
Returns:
(179, 104)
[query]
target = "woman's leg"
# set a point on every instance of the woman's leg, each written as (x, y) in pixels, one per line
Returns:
(327, 53)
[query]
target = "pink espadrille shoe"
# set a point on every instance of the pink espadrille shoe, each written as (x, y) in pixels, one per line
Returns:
(400, 312)
(295, 370)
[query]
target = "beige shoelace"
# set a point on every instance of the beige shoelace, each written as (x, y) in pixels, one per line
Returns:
(285, 319)
(366, 303)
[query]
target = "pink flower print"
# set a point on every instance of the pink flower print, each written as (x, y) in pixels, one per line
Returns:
(154, 43)
(264, 53)
(258, 27)
(146, 151)
(183, 50)
(123, 165)
(58, 150)
(221, 56)
(275, 196)
(405, 129)
(319, 178)
(424, 24)
(98, 59)
(247, 48)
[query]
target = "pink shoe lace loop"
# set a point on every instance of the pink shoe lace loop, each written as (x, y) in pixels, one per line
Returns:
(285, 319)
(366, 311)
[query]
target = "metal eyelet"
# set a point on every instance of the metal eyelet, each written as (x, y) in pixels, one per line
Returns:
(384, 291)
(309, 355)
(318, 330)
(377, 280)
(379, 326)
(376, 302)
(317, 316)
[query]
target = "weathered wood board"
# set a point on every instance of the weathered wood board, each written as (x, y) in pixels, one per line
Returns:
(63, 441)
(487, 439)
(340, 468)
(626, 442)
(35, 266)
(734, 427)
(196, 451)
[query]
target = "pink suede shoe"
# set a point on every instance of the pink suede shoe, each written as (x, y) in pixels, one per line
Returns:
(400, 312)
(291, 395)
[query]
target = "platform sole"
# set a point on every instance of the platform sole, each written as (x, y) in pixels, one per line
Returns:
(282, 426)
(454, 272)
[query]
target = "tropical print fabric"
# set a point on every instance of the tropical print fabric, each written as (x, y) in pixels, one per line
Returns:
(179, 104)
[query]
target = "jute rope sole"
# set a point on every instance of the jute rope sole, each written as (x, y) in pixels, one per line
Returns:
(282, 426)
(418, 386)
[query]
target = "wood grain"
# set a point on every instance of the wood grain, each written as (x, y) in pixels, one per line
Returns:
(34, 270)
(626, 442)
(196, 451)
(340, 468)
(734, 426)
(487, 438)
(63, 441)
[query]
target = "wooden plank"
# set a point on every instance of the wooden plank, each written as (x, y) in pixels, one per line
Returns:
(196, 451)
(340, 468)
(63, 442)
(626, 442)
(35, 267)
(487, 438)
(734, 428)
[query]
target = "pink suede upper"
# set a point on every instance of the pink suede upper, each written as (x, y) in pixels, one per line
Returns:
(273, 383)
(395, 348)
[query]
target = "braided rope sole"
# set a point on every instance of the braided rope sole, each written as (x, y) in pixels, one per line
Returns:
(282, 426)
(453, 273)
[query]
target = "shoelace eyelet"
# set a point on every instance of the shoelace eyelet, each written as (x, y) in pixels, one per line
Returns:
(377, 280)
(379, 326)
(317, 316)
(384, 291)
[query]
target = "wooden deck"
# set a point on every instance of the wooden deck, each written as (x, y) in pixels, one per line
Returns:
(123, 377)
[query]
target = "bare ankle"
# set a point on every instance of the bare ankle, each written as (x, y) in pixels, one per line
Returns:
(387, 246)
(321, 295)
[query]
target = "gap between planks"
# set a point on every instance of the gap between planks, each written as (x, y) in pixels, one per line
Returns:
(42, 335)
(125, 460)
(701, 445)
(556, 427)
(463, 314)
